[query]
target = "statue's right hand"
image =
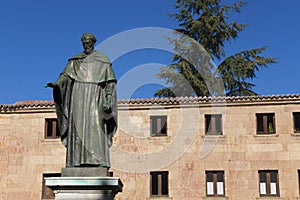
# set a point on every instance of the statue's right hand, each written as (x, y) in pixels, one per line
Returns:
(51, 85)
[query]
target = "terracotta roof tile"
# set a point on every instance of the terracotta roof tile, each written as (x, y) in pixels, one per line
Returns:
(28, 103)
(171, 100)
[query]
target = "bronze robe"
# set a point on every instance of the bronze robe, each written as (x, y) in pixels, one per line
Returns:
(86, 130)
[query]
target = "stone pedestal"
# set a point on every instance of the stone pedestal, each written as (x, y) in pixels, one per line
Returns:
(84, 188)
(84, 172)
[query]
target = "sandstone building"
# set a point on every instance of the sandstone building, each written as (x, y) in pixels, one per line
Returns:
(168, 148)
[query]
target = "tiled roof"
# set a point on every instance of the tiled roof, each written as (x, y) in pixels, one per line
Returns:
(219, 99)
(28, 104)
(175, 100)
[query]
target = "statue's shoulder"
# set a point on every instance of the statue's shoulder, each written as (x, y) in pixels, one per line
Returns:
(97, 55)
(100, 56)
(78, 56)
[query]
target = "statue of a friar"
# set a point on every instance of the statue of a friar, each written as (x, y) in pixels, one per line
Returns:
(86, 106)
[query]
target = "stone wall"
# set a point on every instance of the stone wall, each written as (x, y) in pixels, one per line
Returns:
(25, 154)
(186, 152)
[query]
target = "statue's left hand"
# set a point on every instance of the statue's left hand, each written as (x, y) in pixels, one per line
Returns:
(107, 104)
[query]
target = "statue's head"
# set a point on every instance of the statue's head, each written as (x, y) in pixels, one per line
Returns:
(88, 41)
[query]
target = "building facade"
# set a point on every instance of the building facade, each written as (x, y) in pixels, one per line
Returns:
(168, 148)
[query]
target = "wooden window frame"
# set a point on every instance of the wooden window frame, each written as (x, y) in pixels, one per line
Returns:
(211, 126)
(161, 179)
(296, 122)
(298, 180)
(215, 182)
(47, 193)
(51, 128)
(262, 119)
(268, 183)
(157, 127)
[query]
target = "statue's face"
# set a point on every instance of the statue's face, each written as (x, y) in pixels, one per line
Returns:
(88, 45)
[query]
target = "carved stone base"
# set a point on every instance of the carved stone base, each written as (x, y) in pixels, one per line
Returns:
(81, 188)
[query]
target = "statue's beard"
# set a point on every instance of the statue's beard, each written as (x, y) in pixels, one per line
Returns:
(88, 50)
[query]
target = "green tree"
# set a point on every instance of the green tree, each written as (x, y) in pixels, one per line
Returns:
(192, 71)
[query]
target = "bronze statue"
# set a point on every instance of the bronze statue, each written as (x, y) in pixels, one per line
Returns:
(86, 106)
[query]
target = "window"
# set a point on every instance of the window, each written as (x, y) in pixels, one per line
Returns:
(51, 128)
(268, 183)
(265, 123)
(215, 183)
(213, 124)
(159, 183)
(296, 116)
(299, 179)
(48, 193)
(158, 125)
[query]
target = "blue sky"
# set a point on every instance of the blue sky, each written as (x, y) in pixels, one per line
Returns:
(37, 37)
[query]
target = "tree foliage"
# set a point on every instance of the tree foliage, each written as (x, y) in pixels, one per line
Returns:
(199, 41)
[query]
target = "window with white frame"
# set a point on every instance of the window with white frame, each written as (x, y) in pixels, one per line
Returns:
(215, 185)
(268, 183)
